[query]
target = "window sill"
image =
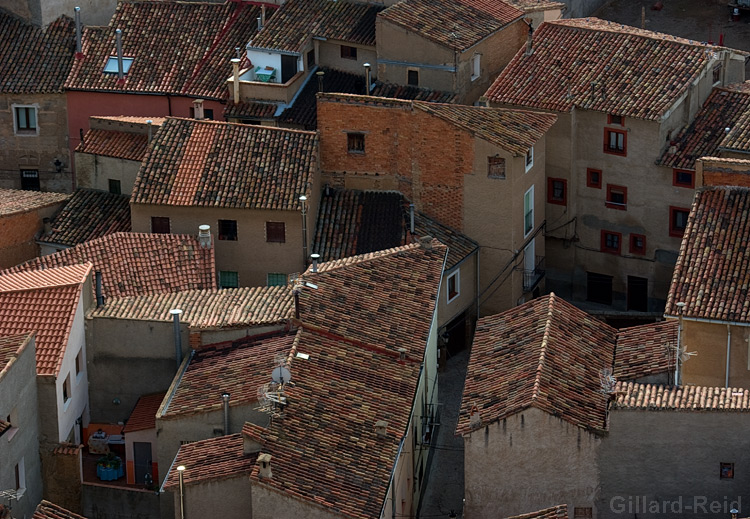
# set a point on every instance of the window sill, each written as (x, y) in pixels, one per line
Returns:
(355, 152)
(24, 133)
(452, 298)
(623, 153)
(474, 78)
(615, 205)
(610, 251)
(11, 433)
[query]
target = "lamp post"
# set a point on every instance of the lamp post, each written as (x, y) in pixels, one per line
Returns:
(180, 471)
(303, 202)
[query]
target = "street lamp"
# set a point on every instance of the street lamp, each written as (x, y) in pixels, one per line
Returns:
(180, 471)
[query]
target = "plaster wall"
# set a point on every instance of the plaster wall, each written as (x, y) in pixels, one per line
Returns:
(329, 55)
(17, 241)
(267, 504)
(709, 366)
(95, 171)
(232, 496)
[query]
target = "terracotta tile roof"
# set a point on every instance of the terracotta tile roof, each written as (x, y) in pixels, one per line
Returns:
(554, 512)
(632, 396)
(47, 510)
(138, 263)
(645, 350)
(13, 201)
(116, 144)
(325, 449)
(206, 308)
(724, 108)
(456, 24)
(530, 6)
(545, 354)
(352, 222)
(738, 138)
(513, 130)
(89, 214)
(67, 449)
(412, 93)
(11, 347)
(132, 119)
(43, 302)
(180, 48)
(570, 55)
(143, 416)
(207, 163)
(238, 368)
(32, 60)
(250, 110)
(209, 460)
(712, 274)
(396, 288)
(295, 23)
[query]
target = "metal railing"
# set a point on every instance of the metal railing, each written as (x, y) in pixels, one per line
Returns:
(531, 278)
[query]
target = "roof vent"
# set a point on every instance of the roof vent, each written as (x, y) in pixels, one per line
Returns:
(426, 242)
(402, 354)
(198, 109)
(204, 236)
(315, 258)
(475, 420)
(264, 471)
(381, 428)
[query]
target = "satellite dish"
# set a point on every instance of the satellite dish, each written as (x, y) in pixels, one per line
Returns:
(281, 375)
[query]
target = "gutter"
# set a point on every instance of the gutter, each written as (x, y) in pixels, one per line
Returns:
(709, 321)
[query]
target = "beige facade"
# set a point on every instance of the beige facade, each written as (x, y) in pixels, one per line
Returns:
(27, 157)
(233, 496)
(95, 172)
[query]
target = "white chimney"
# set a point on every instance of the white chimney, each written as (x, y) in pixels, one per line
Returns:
(264, 470)
(236, 79)
(315, 258)
(198, 109)
(204, 236)
(381, 428)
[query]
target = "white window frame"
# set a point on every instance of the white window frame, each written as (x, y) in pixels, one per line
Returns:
(476, 66)
(530, 194)
(529, 160)
(21, 477)
(457, 276)
(25, 133)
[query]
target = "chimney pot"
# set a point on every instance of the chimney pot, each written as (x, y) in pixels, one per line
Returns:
(402, 353)
(236, 79)
(198, 109)
(381, 428)
(315, 258)
(265, 466)
(426, 242)
(204, 236)
(78, 31)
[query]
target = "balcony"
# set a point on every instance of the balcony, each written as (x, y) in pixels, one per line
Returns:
(531, 278)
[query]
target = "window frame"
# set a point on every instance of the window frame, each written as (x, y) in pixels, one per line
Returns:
(550, 191)
(111, 67)
(30, 174)
(79, 363)
(675, 181)
(611, 120)
(529, 159)
(268, 279)
(25, 132)
(613, 189)
(476, 66)
(498, 163)
(349, 53)
(716, 73)
(231, 236)
(726, 470)
(526, 212)
(162, 220)
(223, 273)
(606, 248)
(409, 71)
(616, 151)
(278, 234)
(589, 182)
(115, 186)
(67, 390)
(673, 230)
(355, 143)
(456, 277)
(632, 245)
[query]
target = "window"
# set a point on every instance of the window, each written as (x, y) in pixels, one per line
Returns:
(454, 285)
(355, 142)
(726, 470)
(717, 74)
(617, 197)
(160, 225)
(30, 180)
(598, 288)
(637, 244)
(25, 120)
(615, 142)
(583, 513)
(114, 186)
(475, 66)
(528, 211)
(677, 220)
(229, 279)
(611, 242)
(276, 279)
(66, 389)
(20, 473)
(112, 68)
(637, 294)
(276, 232)
(495, 167)
(616, 119)
(530, 159)
(594, 178)
(348, 52)
(228, 230)
(557, 191)
(208, 113)
(412, 77)
(12, 419)
(79, 363)
(682, 178)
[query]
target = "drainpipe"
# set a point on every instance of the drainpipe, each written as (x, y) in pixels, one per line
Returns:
(729, 351)
(225, 399)
(118, 38)
(175, 313)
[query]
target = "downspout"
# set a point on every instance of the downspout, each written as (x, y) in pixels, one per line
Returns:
(729, 351)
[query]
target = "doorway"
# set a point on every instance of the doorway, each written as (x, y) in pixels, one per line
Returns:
(288, 67)
(142, 461)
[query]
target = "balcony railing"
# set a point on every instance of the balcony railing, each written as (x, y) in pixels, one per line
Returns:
(531, 278)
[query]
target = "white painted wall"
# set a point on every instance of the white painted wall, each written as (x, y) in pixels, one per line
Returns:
(68, 412)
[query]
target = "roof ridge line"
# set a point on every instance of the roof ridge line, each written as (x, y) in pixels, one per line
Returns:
(543, 354)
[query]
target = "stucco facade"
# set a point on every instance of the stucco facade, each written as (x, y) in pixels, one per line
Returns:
(233, 495)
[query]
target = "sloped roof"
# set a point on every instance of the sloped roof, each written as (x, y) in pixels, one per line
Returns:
(47, 510)
(545, 354)
(724, 108)
(115, 144)
(531, 6)
(639, 73)
(250, 110)
(43, 302)
(11, 347)
(712, 274)
(138, 263)
(632, 396)
(215, 164)
(396, 288)
(210, 460)
(212, 308)
(457, 24)
(13, 201)
(297, 21)
(143, 416)
(238, 368)
(89, 214)
(180, 48)
(553, 512)
(352, 222)
(34, 60)
(645, 350)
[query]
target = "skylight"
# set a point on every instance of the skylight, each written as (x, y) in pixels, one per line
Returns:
(111, 66)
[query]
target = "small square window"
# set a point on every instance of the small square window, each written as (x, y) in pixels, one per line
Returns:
(276, 279)
(229, 279)
(495, 167)
(348, 52)
(637, 244)
(611, 242)
(412, 77)
(678, 217)
(25, 120)
(594, 178)
(355, 142)
(530, 159)
(114, 186)
(615, 142)
(30, 180)
(160, 225)
(618, 120)
(682, 178)
(112, 68)
(726, 470)
(454, 285)
(617, 197)
(557, 191)
(228, 230)
(276, 232)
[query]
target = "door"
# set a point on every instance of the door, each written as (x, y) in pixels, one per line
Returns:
(637, 294)
(288, 67)
(30, 179)
(142, 461)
